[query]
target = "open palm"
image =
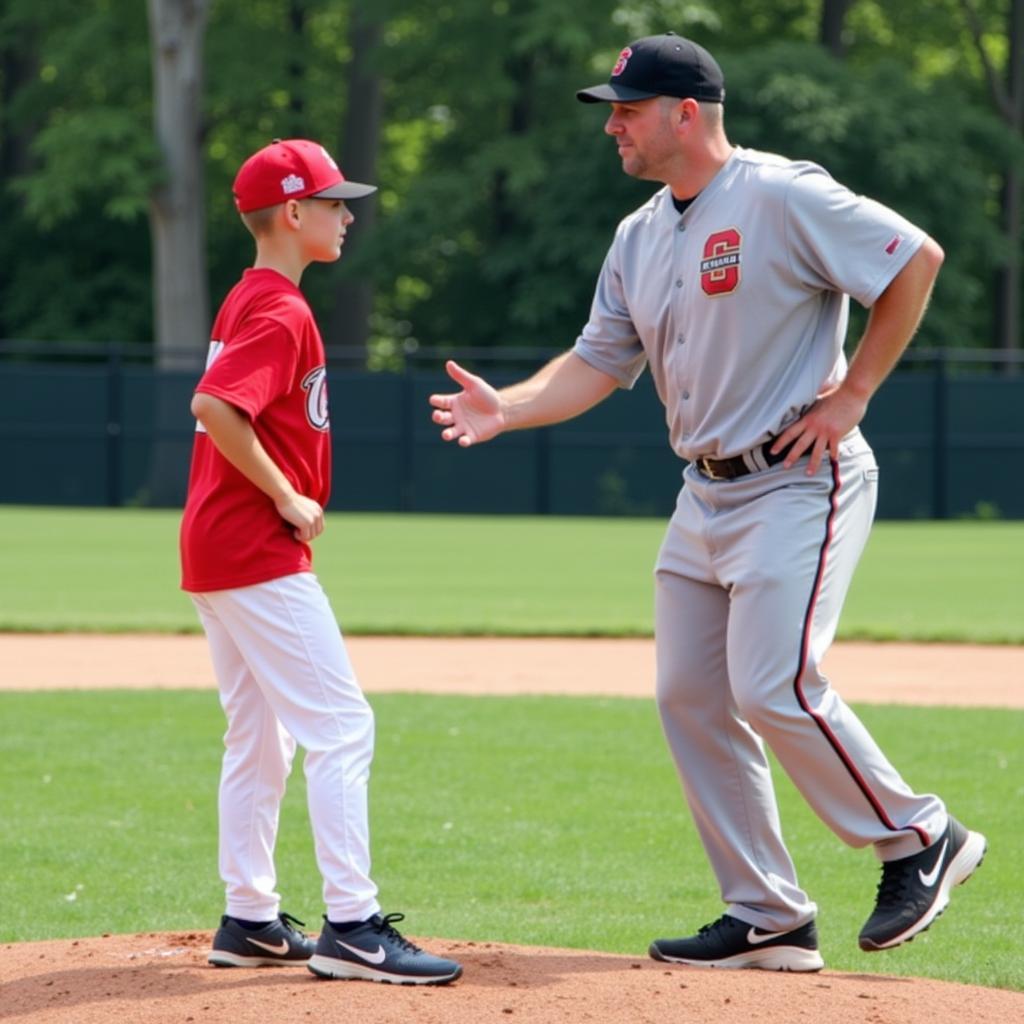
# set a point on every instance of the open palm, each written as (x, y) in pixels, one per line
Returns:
(472, 415)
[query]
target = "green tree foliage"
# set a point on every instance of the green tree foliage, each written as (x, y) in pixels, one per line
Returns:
(499, 192)
(497, 236)
(75, 244)
(890, 136)
(275, 69)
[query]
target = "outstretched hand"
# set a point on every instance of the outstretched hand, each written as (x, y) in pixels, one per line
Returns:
(472, 415)
(822, 427)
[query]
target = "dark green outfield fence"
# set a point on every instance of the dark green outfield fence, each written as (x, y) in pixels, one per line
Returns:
(103, 427)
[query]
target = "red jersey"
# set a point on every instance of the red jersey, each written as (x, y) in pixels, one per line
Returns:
(267, 359)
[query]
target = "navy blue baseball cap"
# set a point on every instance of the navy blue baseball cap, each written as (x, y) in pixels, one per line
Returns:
(665, 65)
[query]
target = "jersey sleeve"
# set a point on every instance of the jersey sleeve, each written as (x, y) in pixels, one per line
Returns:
(253, 368)
(842, 241)
(609, 341)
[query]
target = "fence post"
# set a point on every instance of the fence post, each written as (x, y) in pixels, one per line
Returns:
(940, 438)
(542, 456)
(407, 470)
(115, 427)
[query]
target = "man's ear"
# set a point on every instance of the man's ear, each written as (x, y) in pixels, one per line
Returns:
(686, 111)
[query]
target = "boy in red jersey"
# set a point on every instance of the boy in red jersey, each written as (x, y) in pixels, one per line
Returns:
(259, 481)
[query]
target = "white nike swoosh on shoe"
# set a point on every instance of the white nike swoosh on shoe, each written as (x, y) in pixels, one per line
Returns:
(755, 940)
(279, 949)
(929, 880)
(363, 954)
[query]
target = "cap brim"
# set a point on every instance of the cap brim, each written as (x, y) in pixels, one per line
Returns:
(612, 94)
(346, 190)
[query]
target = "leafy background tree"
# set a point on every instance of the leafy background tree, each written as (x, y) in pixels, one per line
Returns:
(77, 152)
(499, 192)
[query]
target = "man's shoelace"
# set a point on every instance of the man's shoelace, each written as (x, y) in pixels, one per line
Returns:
(385, 926)
(724, 922)
(289, 922)
(892, 888)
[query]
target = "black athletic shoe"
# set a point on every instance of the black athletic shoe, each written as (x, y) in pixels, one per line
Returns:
(729, 942)
(376, 952)
(277, 944)
(915, 890)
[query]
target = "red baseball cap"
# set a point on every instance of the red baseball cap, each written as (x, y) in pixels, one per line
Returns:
(292, 169)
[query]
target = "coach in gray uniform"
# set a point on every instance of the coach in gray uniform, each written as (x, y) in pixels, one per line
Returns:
(732, 284)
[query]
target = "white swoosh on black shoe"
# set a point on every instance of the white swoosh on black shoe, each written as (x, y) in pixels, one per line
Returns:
(929, 880)
(755, 939)
(281, 949)
(377, 957)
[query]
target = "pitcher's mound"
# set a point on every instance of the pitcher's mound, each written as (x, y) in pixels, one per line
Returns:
(164, 978)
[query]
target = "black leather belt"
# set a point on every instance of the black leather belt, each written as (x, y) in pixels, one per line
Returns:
(740, 465)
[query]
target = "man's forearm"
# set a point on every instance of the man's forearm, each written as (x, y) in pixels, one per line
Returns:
(564, 388)
(893, 321)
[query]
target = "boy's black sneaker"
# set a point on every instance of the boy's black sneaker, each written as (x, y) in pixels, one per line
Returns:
(729, 942)
(277, 944)
(915, 890)
(375, 951)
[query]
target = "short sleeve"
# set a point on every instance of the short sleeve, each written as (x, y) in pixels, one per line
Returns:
(842, 241)
(609, 341)
(255, 368)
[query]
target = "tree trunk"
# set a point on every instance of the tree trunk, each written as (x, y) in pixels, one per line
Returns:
(1008, 99)
(830, 29)
(520, 70)
(177, 211)
(1008, 324)
(297, 68)
(1008, 308)
(19, 65)
(177, 227)
(349, 320)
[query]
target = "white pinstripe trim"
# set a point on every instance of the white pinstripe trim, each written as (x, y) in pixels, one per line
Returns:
(754, 460)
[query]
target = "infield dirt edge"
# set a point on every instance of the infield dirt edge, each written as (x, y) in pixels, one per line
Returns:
(155, 978)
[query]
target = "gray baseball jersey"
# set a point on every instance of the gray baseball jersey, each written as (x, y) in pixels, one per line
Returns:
(740, 304)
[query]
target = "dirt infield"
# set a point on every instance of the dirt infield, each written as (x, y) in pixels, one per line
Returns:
(872, 673)
(163, 978)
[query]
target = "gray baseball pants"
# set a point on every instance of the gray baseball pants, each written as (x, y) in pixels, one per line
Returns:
(750, 580)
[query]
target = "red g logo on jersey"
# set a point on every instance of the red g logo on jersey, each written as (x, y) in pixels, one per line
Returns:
(315, 386)
(720, 267)
(620, 64)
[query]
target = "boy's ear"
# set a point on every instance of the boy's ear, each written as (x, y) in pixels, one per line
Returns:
(290, 213)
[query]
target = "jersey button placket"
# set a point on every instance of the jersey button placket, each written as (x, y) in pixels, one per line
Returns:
(682, 378)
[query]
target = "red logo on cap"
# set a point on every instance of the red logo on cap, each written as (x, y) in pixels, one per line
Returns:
(620, 64)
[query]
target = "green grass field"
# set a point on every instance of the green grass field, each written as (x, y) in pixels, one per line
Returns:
(551, 821)
(102, 570)
(554, 821)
